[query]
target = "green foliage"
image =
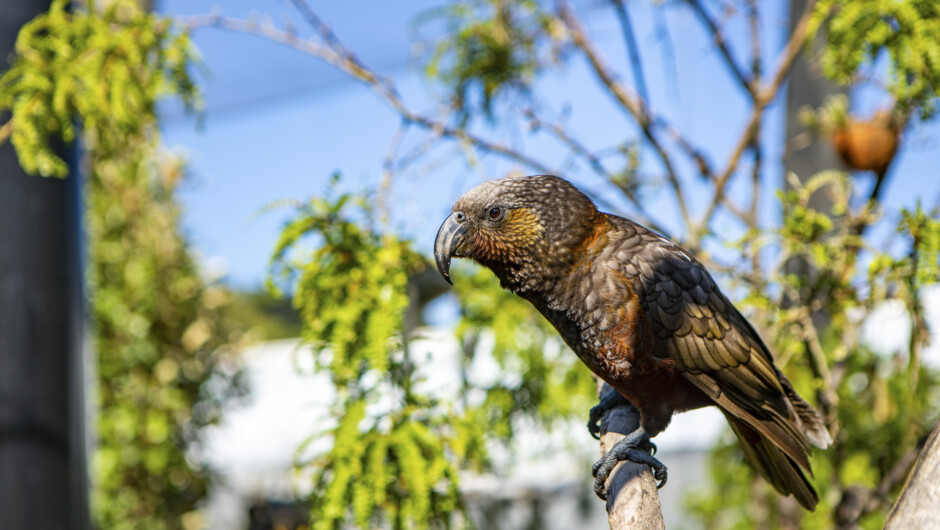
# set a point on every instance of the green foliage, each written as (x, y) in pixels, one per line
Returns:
(878, 406)
(549, 384)
(158, 325)
(104, 69)
(158, 340)
(264, 316)
(493, 48)
(395, 451)
(908, 31)
(351, 293)
(924, 231)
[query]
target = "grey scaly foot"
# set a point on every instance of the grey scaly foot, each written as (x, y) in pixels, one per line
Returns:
(609, 399)
(636, 447)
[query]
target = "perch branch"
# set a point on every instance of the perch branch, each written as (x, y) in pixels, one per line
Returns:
(632, 498)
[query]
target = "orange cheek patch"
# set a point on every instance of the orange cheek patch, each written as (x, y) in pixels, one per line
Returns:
(521, 227)
(503, 242)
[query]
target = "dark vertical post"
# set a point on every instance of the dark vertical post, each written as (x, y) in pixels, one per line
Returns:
(43, 470)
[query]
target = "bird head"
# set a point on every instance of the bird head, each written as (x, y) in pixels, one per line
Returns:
(523, 228)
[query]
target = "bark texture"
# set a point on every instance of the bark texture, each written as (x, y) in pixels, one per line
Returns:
(917, 505)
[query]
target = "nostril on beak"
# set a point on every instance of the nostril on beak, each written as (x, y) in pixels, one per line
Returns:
(460, 217)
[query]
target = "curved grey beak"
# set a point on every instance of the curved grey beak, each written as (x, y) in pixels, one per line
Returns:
(449, 237)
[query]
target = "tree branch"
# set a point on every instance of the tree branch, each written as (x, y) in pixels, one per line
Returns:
(697, 156)
(339, 56)
(826, 394)
(857, 501)
(723, 47)
(634, 105)
(917, 504)
(632, 498)
(753, 24)
(668, 51)
(763, 98)
(623, 16)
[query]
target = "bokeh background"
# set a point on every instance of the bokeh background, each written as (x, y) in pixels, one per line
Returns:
(268, 346)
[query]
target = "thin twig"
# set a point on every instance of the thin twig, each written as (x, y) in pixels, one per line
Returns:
(6, 129)
(828, 399)
(388, 170)
(697, 156)
(752, 219)
(764, 97)
(342, 59)
(753, 24)
(858, 502)
(623, 16)
(595, 163)
(753, 18)
(668, 51)
(632, 103)
(415, 153)
(723, 47)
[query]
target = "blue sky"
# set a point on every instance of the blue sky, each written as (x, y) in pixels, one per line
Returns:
(278, 123)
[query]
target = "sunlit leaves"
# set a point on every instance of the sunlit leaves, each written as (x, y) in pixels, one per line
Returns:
(159, 338)
(923, 229)
(883, 403)
(908, 31)
(157, 328)
(493, 48)
(351, 290)
(394, 452)
(105, 70)
(548, 383)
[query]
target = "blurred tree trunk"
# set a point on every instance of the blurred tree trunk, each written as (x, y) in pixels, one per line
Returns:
(43, 470)
(804, 153)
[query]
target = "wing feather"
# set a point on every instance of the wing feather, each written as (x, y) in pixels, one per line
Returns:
(713, 346)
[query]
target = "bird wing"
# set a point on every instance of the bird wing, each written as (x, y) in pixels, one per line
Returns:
(711, 344)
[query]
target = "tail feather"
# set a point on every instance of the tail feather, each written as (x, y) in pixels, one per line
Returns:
(773, 464)
(810, 420)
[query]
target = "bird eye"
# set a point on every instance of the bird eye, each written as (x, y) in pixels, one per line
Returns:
(495, 213)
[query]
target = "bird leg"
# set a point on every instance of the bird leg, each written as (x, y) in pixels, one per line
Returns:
(610, 398)
(635, 447)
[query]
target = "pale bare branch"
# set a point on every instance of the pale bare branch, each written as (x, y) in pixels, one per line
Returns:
(594, 161)
(764, 97)
(338, 56)
(632, 103)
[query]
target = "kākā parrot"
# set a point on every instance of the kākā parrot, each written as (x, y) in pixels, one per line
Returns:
(644, 315)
